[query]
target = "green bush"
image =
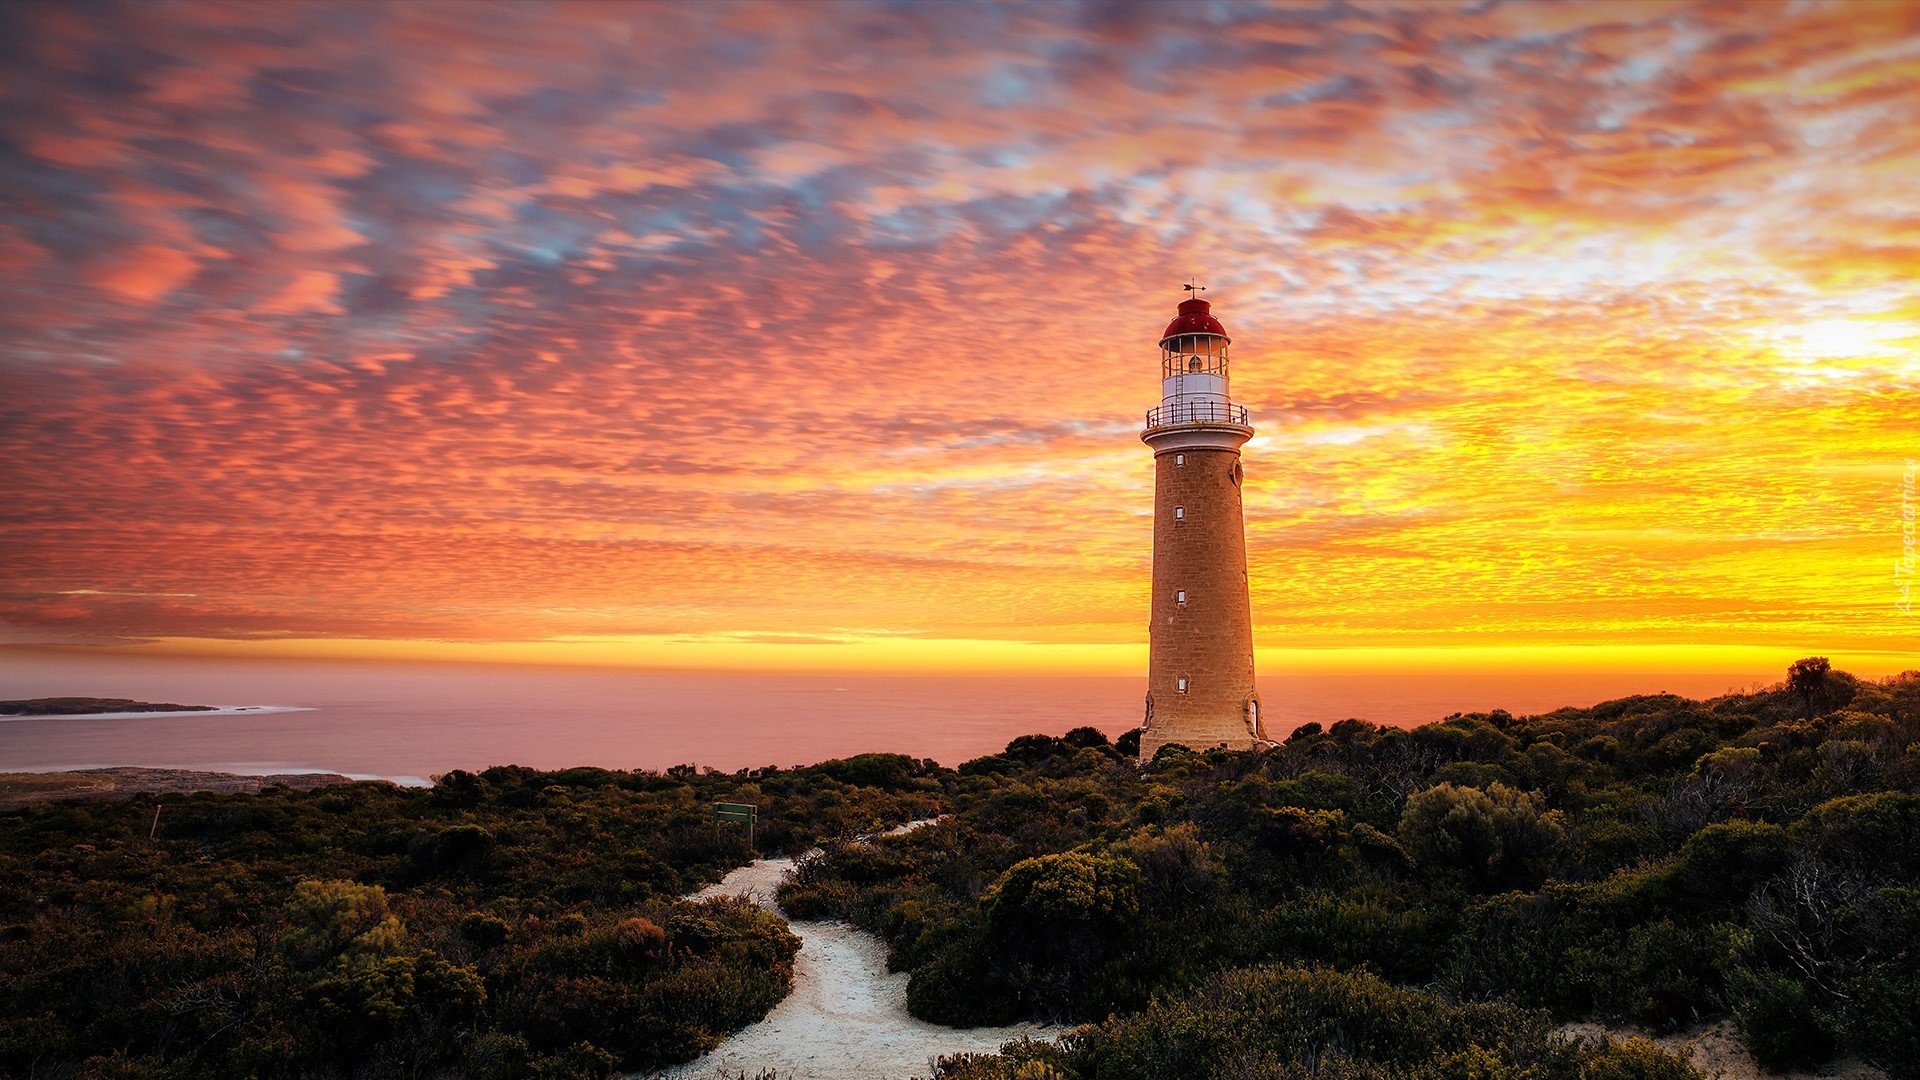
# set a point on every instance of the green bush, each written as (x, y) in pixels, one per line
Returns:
(421, 1000)
(327, 919)
(485, 931)
(824, 900)
(957, 987)
(1636, 1059)
(1778, 1023)
(1499, 833)
(1881, 1019)
(1721, 864)
(1066, 890)
(1295, 1017)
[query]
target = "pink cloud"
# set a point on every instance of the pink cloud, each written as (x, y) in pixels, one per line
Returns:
(511, 322)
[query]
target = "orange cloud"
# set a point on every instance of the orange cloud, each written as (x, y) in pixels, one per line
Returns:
(146, 273)
(1563, 327)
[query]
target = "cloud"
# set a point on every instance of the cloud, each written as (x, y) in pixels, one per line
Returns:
(510, 322)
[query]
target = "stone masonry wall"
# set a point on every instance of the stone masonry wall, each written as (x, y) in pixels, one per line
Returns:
(1209, 638)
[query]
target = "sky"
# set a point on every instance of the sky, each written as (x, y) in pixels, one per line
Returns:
(815, 336)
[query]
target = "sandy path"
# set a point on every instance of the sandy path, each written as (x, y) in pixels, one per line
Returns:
(846, 1018)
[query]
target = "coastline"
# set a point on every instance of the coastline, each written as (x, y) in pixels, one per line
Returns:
(217, 710)
(20, 789)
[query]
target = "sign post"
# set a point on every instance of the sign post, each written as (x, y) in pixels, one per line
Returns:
(732, 811)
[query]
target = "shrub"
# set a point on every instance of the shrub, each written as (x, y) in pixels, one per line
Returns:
(1297, 1021)
(955, 987)
(1808, 679)
(640, 939)
(461, 849)
(483, 930)
(824, 900)
(422, 1000)
(695, 928)
(887, 772)
(1499, 832)
(328, 918)
(1777, 1022)
(1085, 737)
(1066, 889)
(1880, 1021)
(1876, 834)
(856, 863)
(1176, 867)
(1721, 864)
(1031, 748)
(1636, 1059)
(458, 790)
(1679, 749)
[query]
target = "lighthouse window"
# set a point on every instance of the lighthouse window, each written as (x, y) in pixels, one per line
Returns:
(1180, 596)
(1180, 684)
(1179, 513)
(1179, 459)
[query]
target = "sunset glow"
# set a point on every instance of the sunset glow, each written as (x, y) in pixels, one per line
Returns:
(798, 336)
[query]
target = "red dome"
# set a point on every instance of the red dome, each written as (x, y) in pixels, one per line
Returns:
(1194, 319)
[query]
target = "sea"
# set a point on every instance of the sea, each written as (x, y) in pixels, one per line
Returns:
(411, 722)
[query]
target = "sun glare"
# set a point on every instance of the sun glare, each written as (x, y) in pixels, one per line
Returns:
(1849, 339)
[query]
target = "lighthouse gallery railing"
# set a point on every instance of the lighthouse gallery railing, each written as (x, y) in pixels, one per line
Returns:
(1197, 412)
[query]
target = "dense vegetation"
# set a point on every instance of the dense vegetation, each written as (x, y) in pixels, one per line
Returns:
(1654, 861)
(1277, 1023)
(1361, 902)
(511, 923)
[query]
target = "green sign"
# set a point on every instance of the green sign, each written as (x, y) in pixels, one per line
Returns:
(744, 813)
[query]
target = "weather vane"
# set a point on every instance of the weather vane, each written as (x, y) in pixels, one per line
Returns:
(1193, 288)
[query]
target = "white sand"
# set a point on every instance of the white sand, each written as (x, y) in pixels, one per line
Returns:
(1717, 1051)
(846, 1018)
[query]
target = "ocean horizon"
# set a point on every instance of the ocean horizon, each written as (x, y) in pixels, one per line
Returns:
(410, 722)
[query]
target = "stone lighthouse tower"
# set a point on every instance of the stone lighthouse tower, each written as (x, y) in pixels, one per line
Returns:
(1200, 689)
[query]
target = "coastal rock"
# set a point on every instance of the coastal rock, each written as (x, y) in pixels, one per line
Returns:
(26, 789)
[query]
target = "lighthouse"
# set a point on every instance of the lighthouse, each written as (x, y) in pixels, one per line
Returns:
(1200, 690)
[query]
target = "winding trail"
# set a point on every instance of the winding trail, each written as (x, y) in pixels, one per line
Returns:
(847, 1016)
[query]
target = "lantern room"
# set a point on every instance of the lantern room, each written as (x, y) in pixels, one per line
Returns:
(1193, 356)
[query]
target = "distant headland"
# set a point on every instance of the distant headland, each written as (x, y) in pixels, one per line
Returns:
(88, 706)
(27, 789)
